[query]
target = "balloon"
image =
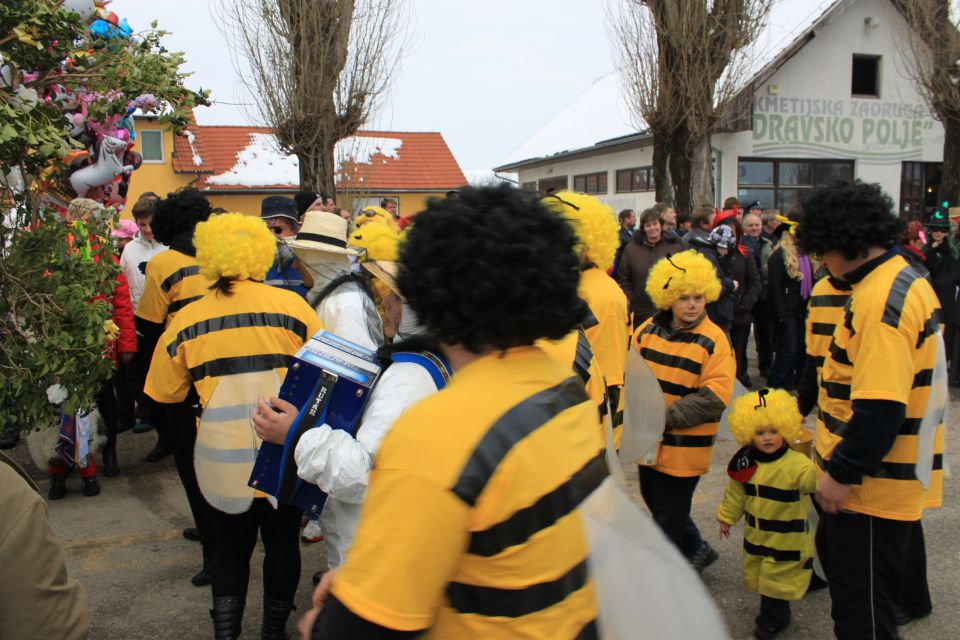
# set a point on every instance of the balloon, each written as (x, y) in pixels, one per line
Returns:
(107, 167)
(86, 9)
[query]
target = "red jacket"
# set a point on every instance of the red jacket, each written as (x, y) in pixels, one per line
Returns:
(126, 342)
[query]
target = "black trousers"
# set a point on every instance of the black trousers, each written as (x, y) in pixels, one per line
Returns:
(788, 354)
(180, 420)
(774, 613)
(916, 592)
(123, 387)
(236, 538)
(670, 499)
(106, 403)
(762, 335)
(865, 560)
(739, 338)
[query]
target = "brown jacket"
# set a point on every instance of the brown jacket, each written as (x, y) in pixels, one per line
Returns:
(635, 263)
(37, 599)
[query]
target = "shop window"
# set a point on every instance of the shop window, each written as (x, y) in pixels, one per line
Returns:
(151, 145)
(865, 79)
(551, 185)
(635, 180)
(781, 184)
(591, 183)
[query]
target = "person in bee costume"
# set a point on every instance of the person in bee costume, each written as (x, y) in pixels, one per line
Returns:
(240, 327)
(606, 327)
(693, 362)
(769, 488)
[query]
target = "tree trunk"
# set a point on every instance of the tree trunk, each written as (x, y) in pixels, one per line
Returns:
(317, 169)
(661, 170)
(950, 180)
(701, 172)
(680, 170)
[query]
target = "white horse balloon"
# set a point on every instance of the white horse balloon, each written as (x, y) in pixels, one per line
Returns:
(108, 166)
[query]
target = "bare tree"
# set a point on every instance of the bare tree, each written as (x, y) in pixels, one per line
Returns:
(682, 62)
(933, 61)
(317, 70)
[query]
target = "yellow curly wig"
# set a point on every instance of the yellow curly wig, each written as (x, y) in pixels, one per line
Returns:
(594, 222)
(683, 274)
(234, 245)
(781, 411)
(378, 239)
(376, 214)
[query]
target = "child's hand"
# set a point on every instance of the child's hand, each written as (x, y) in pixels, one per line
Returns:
(724, 530)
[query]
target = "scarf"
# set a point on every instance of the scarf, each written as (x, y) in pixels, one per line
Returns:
(806, 282)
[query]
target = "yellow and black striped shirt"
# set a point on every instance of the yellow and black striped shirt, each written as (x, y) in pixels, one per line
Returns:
(483, 479)
(686, 361)
(824, 312)
(777, 540)
(172, 281)
(884, 349)
(257, 328)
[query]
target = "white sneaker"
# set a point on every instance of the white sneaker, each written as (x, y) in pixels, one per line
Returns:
(311, 533)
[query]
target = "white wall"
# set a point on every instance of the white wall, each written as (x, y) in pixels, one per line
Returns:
(813, 105)
(610, 163)
(805, 110)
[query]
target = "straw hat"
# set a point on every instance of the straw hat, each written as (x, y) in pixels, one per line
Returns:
(386, 272)
(322, 231)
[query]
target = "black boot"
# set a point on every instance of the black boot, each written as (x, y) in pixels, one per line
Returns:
(159, 452)
(110, 466)
(58, 486)
(275, 614)
(227, 614)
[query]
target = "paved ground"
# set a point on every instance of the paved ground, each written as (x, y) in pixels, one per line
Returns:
(125, 547)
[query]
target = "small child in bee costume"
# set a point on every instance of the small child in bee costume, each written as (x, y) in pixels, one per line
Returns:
(769, 486)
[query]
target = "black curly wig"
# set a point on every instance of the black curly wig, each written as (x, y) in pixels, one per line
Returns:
(492, 267)
(180, 211)
(849, 217)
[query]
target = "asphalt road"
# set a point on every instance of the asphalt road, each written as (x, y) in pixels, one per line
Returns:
(125, 547)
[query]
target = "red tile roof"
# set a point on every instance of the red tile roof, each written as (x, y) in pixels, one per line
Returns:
(424, 161)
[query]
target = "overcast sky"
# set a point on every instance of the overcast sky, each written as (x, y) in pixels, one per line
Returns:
(487, 74)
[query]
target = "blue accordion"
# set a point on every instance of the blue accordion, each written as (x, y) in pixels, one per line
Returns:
(330, 379)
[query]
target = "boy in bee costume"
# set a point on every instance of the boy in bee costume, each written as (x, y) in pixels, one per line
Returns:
(694, 364)
(769, 487)
(605, 329)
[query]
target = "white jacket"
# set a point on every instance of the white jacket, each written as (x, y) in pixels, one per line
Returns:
(349, 313)
(138, 250)
(340, 465)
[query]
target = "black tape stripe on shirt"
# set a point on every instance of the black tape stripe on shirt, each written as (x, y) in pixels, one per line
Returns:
(178, 275)
(777, 554)
(239, 364)
(771, 493)
(776, 526)
(667, 360)
(583, 357)
(543, 513)
(898, 295)
(176, 305)
(513, 603)
(828, 300)
(239, 321)
(512, 427)
(822, 328)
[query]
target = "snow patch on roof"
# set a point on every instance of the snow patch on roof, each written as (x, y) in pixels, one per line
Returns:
(261, 163)
(601, 113)
(361, 149)
(191, 139)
